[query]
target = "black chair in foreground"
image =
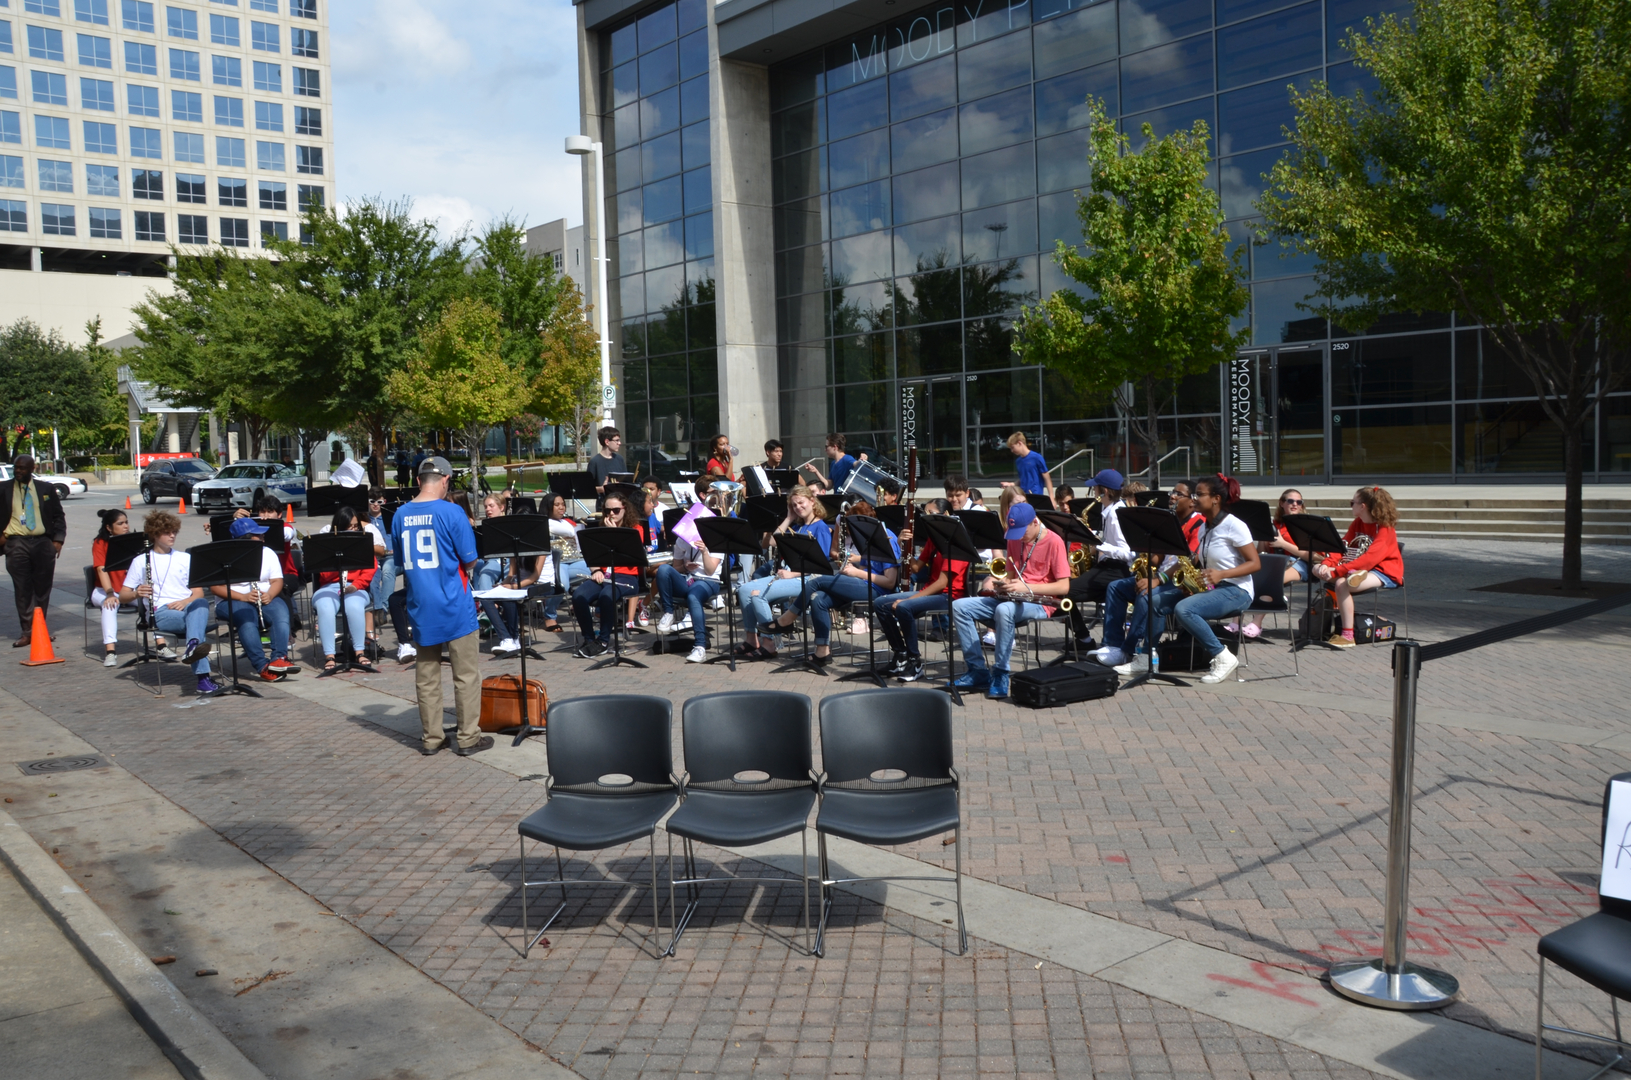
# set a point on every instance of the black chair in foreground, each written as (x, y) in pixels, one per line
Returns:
(888, 779)
(1597, 948)
(749, 779)
(611, 779)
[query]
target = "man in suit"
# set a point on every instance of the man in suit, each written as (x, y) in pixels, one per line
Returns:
(33, 526)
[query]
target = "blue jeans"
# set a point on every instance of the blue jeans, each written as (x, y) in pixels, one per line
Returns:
(755, 597)
(675, 588)
(1122, 595)
(1193, 613)
(244, 621)
(502, 628)
(569, 570)
(326, 601)
(898, 614)
(830, 589)
(384, 583)
(1003, 616)
(192, 621)
(605, 597)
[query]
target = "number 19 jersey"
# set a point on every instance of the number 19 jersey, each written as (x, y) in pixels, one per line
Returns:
(432, 540)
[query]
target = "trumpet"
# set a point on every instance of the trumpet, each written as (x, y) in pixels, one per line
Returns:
(999, 567)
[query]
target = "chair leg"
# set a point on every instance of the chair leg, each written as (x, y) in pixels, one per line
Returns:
(656, 907)
(804, 872)
(962, 930)
(826, 894)
(525, 946)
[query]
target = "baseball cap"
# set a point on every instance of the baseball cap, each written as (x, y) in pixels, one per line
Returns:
(1020, 516)
(246, 527)
(437, 465)
(1110, 478)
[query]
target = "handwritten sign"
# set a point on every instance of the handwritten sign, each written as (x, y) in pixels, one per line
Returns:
(1615, 880)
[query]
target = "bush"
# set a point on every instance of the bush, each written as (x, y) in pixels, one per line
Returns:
(80, 463)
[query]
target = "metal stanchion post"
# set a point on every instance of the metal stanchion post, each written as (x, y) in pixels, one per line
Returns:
(1390, 982)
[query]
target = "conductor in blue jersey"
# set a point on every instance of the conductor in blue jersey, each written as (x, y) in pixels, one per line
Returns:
(435, 548)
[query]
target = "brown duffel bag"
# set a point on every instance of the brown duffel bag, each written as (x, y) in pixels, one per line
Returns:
(501, 702)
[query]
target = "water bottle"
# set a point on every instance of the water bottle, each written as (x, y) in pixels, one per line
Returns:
(1155, 661)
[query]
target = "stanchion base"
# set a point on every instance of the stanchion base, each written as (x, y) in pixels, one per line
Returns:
(1414, 987)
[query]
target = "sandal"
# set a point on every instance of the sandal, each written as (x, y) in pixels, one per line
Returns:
(551, 626)
(744, 649)
(329, 668)
(364, 664)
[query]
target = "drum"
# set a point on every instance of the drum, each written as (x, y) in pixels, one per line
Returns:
(863, 482)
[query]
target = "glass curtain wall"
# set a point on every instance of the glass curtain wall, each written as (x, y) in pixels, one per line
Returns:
(654, 72)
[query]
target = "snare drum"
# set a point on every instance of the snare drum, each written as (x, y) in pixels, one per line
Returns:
(863, 482)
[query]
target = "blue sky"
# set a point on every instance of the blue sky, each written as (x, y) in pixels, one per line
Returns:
(460, 105)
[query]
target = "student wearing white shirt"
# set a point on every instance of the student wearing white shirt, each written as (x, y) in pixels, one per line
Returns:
(252, 600)
(1230, 558)
(177, 607)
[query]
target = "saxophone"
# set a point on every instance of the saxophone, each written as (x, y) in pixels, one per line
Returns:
(1186, 575)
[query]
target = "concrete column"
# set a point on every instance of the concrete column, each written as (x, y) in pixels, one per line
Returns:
(36, 261)
(172, 427)
(215, 438)
(594, 123)
(192, 440)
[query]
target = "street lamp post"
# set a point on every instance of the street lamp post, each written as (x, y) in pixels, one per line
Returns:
(580, 145)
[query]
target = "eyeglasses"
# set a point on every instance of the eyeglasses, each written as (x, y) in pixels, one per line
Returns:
(1292, 502)
(614, 509)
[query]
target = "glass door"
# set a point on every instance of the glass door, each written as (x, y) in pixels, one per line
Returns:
(1276, 414)
(931, 411)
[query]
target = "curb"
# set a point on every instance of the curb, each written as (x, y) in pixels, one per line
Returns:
(194, 1046)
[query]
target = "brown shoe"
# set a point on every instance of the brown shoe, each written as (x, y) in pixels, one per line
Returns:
(23, 642)
(1341, 642)
(483, 743)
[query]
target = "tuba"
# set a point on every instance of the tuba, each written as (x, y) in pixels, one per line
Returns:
(730, 496)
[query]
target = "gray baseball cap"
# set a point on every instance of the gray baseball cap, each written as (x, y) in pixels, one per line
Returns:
(437, 465)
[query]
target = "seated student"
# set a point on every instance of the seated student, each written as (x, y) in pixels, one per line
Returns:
(1127, 601)
(252, 601)
(563, 538)
(326, 599)
(647, 508)
(805, 515)
(774, 452)
(957, 493)
(1038, 575)
(857, 579)
(720, 459)
(106, 594)
(689, 582)
(1373, 559)
(269, 508)
(944, 581)
(1115, 557)
(604, 589)
(384, 583)
(1291, 502)
(888, 493)
(485, 575)
(177, 607)
(1062, 496)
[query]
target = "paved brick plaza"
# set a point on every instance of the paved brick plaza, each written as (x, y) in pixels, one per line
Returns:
(1248, 819)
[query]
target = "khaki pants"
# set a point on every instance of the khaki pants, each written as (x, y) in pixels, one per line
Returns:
(463, 654)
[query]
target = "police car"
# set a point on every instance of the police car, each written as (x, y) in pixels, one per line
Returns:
(65, 485)
(242, 482)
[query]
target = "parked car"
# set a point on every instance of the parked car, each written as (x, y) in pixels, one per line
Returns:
(65, 485)
(242, 482)
(174, 478)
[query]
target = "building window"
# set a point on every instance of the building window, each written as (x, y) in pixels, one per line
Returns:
(224, 30)
(274, 195)
(5, 37)
(102, 181)
(184, 65)
(307, 82)
(8, 82)
(303, 9)
(101, 138)
(147, 184)
(11, 171)
(98, 94)
(95, 51)
(147, 143)
(229, 111)
(235, 232)
(303, 43)
(182, 23)
(142, 100)
(11, 127)
(56, 175)
(269, 157)
(309, 197)
(51, 132)
(56, 219)
(308, 121)
(141, 59)
(230, 191)
(268, 77)
(91, 11)
(229, 153)
(308, 159)
(227, 70)
(189, 147)
(43, 7)
(192, 229)
(49, 88)
(190, 188)
(105, 223)
(137, 15)
(274, 230)
(150, 225)
(268, 116)
(265, 37)
(187, 105)
(263, 5)
(13, 215)
(45, 44)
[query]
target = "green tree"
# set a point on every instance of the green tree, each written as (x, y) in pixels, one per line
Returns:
(44, 381)
(1488, 176)
(1160, 288)
(104, 424)
(567, 386)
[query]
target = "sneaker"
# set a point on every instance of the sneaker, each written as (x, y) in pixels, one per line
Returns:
(1252, 631)
(629, 626)
(1223, 664)
(999, 684)
(683, 625)
(718, 602)
(483, 743)
(665, 625)
(897, 664)
(990, 638)
(207, 686)
(913, 671)
(508, 647)
(196, 651)
(697, 655)
(405, 652)
(1138, 665)
(164, 652)
(282, 666)
(642, 615)
(1340, 642)
(591, 648)
(268, 674)
(1110, 656)
(110, 659)
(978, 679)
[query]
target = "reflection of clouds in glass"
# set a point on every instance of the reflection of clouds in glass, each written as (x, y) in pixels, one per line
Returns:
(863, 258)
(1150, 22)
(1242, 181)
(996, 121)
(860, 209)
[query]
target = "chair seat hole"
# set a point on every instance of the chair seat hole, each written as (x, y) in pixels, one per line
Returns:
(887, 776)
(751, 776)
(615, 779)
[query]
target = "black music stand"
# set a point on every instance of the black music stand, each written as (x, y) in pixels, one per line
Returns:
(1317, 536)
(1069, 529)
(339, 553)
(892, 516)
(576, 486)
(834, 505)
(872, 544)
(1256, 516)
(765, 512)
(325, 500)
(517, 536)
(221, 526)
(803, 554)
(783, 480)
(1151, 533)
(985, 529)
(1161, 500)
(727, 536)
(123, 551)
(604, 548)
(228, 563)
(951, 539)
(671, 518)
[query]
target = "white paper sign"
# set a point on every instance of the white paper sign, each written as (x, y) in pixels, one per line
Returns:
(1616, 876)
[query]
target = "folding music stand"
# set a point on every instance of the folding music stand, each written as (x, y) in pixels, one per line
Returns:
(1161, 500)
(834, 505)
(221, 526)
(803, 554)
(123, 551)
(1069, 529)
(1151, 533)
(872, 544)
(604, 548)
(1256, 516)
(765, 512)
(783, 480)
(576, 486)
(1317, 536)
(951, 539)
(324, 501)
(984, 529)
(227, 563)
(517, 536)
(892, 516)
(339, 553)
(725, 537)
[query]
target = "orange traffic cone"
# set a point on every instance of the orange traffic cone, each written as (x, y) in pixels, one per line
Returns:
(288, 514)
(127, 502)
(183, 509)
(39, 643)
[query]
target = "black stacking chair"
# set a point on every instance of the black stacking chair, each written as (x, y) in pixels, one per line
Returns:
(1596, 948)
(1268, 594)
(888, 779)
(749, 779)
(611, 780)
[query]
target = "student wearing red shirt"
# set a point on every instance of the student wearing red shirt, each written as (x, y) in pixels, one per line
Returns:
(603, 590)
(1373, 559)
(1291, 502)
(719, 459)
(945, 581)
(326, 600)
(1038, 575)
(106, 594)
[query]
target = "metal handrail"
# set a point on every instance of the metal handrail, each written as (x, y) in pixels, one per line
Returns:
(1155, 467)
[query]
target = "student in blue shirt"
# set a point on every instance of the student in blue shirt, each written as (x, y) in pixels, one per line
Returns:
(1034, 480)
(855, 580)
(435, 549)
(805, 515)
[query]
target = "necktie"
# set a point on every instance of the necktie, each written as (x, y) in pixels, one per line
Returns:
(28, 507)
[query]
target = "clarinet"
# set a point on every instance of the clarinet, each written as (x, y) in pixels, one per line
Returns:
(153, 598)
(260, 611)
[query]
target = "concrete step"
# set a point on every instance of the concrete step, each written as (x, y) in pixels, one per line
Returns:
(1407, 535)
(1604, 521)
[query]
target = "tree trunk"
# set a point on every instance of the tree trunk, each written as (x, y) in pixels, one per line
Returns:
(1573, 500)
(1152, 442)
(509, 442)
